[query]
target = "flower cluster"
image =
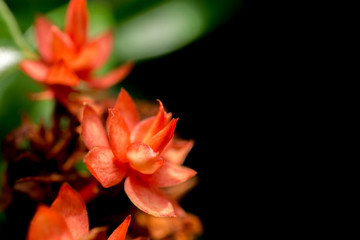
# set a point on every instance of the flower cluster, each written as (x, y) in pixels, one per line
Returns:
(122, 151)
(68, 57)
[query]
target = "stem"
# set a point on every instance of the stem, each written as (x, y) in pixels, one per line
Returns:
(15, 31)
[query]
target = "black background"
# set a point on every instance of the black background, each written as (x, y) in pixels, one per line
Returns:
(224, 90)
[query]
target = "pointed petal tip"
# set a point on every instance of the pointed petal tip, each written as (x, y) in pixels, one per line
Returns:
(120, 232)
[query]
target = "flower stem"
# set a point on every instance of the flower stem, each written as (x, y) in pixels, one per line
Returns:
(15, 31)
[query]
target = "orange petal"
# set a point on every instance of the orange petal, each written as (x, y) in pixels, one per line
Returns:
(141, 129)
(62, 46)
(177, 151)
(148, 198)
(92, 130)
(171, 174)
(84, 60)
(76, 22)
(119, 134)
(103, 166)
(61, 74)
(71, 206)
(43, 37)
(159, 141)
(120, 232)
(35, 69)
(48, 224)
(111, 78)
(142, 158)
(127, 109)
(104, 44)
(159, 123)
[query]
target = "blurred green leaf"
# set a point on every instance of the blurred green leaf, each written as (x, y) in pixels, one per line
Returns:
(169, 25)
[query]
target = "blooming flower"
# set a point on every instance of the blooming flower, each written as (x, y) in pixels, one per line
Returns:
(67, 57)
(67, 219)
(133, 150)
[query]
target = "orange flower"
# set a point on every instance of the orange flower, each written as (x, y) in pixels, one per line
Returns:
(67, 219)
(133, 150)
(67, 57)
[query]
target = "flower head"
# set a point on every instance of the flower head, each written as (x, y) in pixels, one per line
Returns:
(135, 150)
(70, 56)
(67, 219)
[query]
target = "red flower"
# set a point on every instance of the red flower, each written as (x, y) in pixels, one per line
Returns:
(67, 219)
(134, 150)
(67, 57)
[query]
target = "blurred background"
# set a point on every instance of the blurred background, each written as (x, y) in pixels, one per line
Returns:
(206, 61)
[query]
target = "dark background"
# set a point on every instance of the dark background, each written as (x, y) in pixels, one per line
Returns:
(224, 89)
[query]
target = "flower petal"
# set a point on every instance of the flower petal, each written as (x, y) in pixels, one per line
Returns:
(104, 47)
(159, 123)
(71, 206)
(142, 158)
(177, 151)
(35, 69)
(43, 37)
(127, 109)
(141, 129)
(83, 61)
(171, 174)
(61, 74)
(159, 141)
(111, 78)
(120, 232)
(48, 224)
(93, 132)
(62, 46)
(76, 22)
(103, 166)
(119, 134)
(148, 198)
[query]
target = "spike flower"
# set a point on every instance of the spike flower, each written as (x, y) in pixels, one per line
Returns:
(67, 219)
(67, 57)
(141, 152)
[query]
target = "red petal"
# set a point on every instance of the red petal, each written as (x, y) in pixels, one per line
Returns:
(119, 135)
(71, 206)
(104, 167)
(177, 151)
(104, 44)
(159, 141)
(93, 132)
(84, 60)
(111, 78)
(120, 232)
(62, 46)
(159, 123)
(141, 129)
(36, 70)
(171, 174)
(43, 37)
(148, 198)
(142, 158)
(61, 74)
(76, 21)
(48, 224)
(127, 109)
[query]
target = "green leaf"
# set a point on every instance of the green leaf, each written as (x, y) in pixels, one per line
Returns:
(169, 26)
